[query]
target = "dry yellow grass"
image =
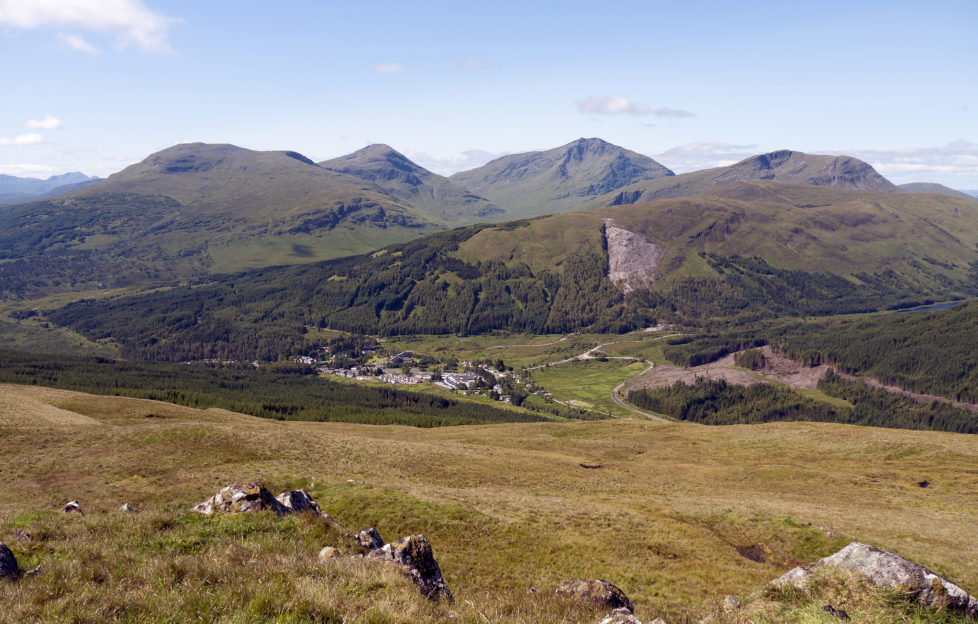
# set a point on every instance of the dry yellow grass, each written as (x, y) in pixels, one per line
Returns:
(507, 507)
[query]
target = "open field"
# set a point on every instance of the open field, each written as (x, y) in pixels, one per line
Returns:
(588, 383)
(507, 507)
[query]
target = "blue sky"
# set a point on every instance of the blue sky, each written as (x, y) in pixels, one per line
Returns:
(94, 85)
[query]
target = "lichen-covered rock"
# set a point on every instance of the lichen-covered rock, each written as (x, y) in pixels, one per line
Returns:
(73, 507)
(328, 554)
(416, 557)
(621, 616)
(597, 592)
(8, 563)
(891, 571)
(126, 507)
(731, 604)
(370, 539)
(242, 498)
(299, 500)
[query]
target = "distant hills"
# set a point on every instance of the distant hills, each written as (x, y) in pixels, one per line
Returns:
(560, 179)
(16, 188)
(196, 210)
(414, 185)
(751, 250)
(784, 166)
(930, 187)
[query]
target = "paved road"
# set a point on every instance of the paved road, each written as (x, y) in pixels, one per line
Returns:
(614, 396)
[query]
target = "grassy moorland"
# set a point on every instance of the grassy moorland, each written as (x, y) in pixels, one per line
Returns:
(678, 515)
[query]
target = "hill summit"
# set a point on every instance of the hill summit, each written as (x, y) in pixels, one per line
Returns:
(413, 184)
(844, 172)
(560, 179)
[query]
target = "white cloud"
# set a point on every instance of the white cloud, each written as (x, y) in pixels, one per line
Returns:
(130, 21)
(604, 105)
(78, 43)
(28, 138)
(26, 170)
(469, 159)
(672, 112)
(704, 155)
(954, 164)
(48, 123)
(389, 68)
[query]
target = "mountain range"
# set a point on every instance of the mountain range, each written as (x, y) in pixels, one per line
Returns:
(195, 210)
(13, 188)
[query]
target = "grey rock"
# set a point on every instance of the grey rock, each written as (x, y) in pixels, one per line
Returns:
(8, 562)
(242, 498)
(416, 557)
(328, 554)
(598, 592)
(891, 571)
(299, 500)
(621, 616)
(73, 507)
(126, 507)
(836, 613)
(731, 603)
(370, 539)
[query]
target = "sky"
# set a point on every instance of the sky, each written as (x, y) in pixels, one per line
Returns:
(95, 85)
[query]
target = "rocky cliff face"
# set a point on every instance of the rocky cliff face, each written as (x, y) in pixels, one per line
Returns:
(632, 259)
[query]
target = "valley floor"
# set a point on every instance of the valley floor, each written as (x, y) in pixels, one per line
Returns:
(678, 515)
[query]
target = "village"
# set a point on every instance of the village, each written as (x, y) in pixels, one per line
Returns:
(365, 363)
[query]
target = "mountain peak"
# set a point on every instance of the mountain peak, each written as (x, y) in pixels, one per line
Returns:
(811, 169)
(559, 179)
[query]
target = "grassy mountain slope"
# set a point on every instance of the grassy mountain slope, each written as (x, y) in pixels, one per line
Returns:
(15, 188)
(414, 185)
(930, 187)
(670, 531)
(783, 166)
(558, 180)
(788, 250)
(195, 209)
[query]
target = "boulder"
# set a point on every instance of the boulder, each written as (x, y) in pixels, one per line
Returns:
(416, 557)
(597, 592)
(73, 507)
(891, 571)
(299, 500)
(621, 616)
(328, 554)
(731, 604)
(370, 539)
(8, 563)
(242, 498)
(126, 507)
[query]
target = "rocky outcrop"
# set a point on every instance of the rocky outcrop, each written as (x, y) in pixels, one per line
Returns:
(622, 616)
(369, 539)
(597, 592)
(893, 572)
(242, 498)
(8, 563)
(299, 500)
(632, 259)
(414, 554)
(328, 554)
(73, 507)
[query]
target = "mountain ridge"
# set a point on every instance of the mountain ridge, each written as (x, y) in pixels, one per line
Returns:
(560, 179)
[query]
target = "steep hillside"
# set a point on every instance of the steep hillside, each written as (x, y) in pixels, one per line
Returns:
(787, 250)
(783, 166)
(414, 185)
(930, 187)
(558, 180)
(194, 209)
